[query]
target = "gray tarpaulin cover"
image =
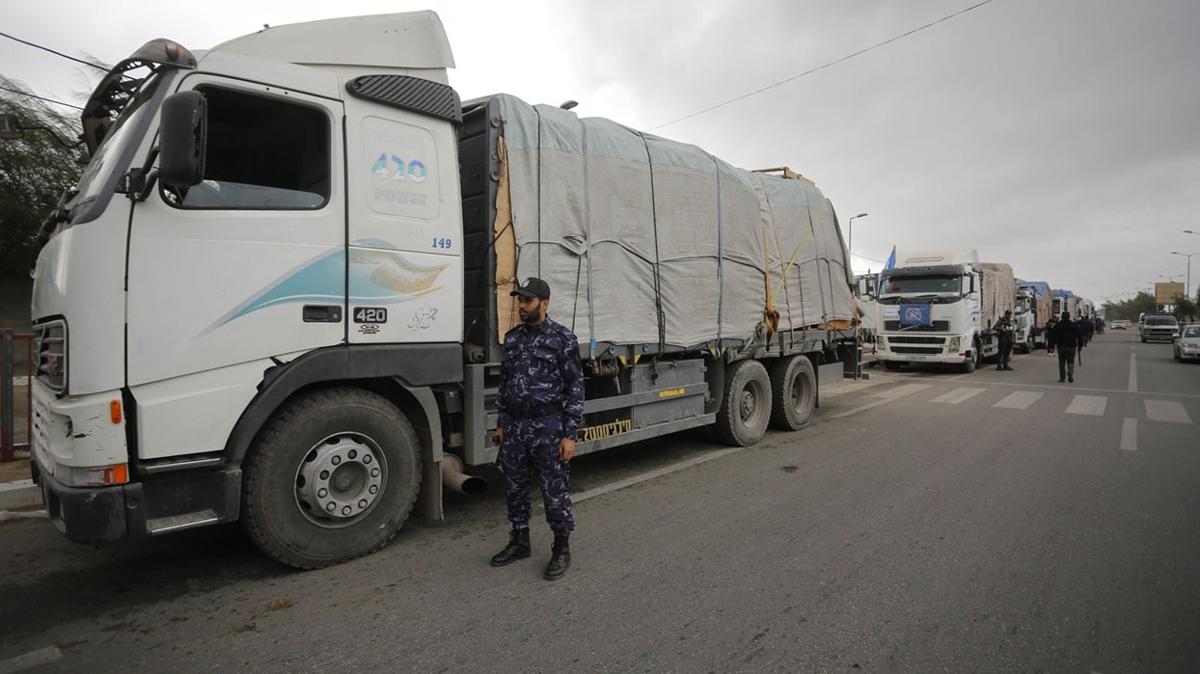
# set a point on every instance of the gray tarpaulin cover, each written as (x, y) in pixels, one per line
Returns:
(999, 292)
(597, 208)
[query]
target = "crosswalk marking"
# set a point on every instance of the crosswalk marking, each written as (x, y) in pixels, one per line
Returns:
(901, 391)
(958, 395)
(1019, 400)
(1088, 405)
(1167, 410)
(884, 398)
(1129, 434)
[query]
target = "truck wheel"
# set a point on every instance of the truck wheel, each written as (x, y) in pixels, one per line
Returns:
(331, 477)
(746, 407)
(973, 362)
(891, 365)
(793, 393)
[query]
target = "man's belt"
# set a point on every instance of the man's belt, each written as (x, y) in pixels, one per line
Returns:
(537, 411)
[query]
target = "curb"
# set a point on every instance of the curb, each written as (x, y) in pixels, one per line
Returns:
(20, 494)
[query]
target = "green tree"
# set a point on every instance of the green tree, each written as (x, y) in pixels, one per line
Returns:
(1130, 309)
(1185, 309)
(35, 168)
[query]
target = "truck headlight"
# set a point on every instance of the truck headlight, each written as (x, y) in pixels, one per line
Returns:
(882, 342)
(954, 342)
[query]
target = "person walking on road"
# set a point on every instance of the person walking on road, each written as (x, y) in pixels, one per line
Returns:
(1065, 338)
(1006, 330)
(540, 405)
(1086, 329)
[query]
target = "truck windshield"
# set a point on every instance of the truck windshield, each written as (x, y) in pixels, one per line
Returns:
(894, 286)
(108, 156)
(1161, 320)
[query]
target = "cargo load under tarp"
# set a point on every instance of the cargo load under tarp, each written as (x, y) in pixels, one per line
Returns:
(999, 292)
(651, 242)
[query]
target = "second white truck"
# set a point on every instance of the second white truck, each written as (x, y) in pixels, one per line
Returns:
(941, 307)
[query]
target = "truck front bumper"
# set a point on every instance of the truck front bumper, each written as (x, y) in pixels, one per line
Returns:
(160, 504)
(85, 514)
(924, 348)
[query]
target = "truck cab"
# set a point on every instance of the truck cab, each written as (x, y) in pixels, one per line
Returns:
(930, 307)
(253, 218)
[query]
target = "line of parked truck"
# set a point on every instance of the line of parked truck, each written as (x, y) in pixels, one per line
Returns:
(943, 307)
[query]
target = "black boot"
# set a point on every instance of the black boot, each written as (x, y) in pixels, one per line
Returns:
(560, 558)
(517, 548)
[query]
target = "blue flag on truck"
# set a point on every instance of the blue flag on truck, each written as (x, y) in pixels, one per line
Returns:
(891, 262)
(915, 314)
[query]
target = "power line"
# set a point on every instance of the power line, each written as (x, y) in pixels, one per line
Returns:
(823, 66)
(41, 98)
(52, 51)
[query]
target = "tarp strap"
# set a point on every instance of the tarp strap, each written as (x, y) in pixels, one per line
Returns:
(720, 255)
(658, 303)
(587, 241)
(539, 191)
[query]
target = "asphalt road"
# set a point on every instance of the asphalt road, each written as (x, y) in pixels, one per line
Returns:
(925, 522)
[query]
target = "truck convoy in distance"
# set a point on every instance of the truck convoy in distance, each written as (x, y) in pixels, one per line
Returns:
(942, 308)
(279, 292)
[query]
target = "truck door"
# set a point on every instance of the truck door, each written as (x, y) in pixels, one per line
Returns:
(247, 265)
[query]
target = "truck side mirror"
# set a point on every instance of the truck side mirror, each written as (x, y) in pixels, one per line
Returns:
(183, 136)
(864, 288)
(10, 127)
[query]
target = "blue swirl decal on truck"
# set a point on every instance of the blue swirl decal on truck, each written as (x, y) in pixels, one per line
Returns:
(378, 275)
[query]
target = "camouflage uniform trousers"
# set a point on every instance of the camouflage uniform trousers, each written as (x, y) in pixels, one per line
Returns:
(536, 443)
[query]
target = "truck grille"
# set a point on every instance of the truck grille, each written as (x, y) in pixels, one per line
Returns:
(907, 339)
(917, 349)
(50, 345)
(938, 326)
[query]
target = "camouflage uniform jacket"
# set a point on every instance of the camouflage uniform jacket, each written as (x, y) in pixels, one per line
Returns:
(540, 375)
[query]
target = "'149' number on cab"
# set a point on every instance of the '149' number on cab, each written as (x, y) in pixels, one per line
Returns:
(439, 242)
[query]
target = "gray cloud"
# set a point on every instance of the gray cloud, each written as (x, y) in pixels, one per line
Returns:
(1060, 137)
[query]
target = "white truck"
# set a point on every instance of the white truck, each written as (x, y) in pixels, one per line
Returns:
(1032, 313)
(278, 293)
(940, 307)
(1064, 301)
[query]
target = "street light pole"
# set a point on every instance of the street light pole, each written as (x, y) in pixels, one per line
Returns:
(1187, 289)
(850, 231)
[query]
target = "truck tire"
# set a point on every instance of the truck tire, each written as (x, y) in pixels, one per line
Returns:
(793, 393)
(332, 476)
(973, 362)
(891, 365)
(746, 405)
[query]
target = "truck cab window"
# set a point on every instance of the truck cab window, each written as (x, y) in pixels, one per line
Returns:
(263, 153)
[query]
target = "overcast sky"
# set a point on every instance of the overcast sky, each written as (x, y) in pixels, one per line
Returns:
(1062, 137)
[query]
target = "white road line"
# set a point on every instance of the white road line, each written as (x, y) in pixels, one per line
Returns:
(1132, 371)
(1129, 434)
(1019, 400)
(31, 659)
(958, 395)
(1088, 405)
(901, 391)
(665, 470)
(1170, 411)
(887, 397)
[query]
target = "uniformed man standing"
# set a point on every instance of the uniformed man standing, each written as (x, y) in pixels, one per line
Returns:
(1005, 329)
(540, 405)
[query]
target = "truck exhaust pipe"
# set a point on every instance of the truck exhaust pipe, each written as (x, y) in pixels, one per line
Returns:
(455, 479)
